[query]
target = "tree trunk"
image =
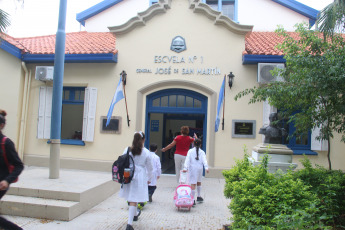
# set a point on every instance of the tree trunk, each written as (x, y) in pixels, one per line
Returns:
(329, 154)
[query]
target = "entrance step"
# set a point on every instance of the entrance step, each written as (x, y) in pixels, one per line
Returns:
(76, 191)
(39, 207)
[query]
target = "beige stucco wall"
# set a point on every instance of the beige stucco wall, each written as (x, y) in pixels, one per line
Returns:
(219, 48)
(214, 46)
(102, 76)
(11, 93)
(117, 15)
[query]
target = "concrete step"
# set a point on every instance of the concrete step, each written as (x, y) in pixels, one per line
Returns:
(44, 193)
(39, 207)
(75, 192)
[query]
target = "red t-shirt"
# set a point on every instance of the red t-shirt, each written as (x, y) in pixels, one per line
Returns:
(182, 144)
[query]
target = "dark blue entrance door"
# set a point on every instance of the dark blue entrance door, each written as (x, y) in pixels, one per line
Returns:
(175, 104)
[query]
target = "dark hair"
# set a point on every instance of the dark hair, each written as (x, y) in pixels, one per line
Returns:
(2, 116)
(185, 130)
(137, 143)
(197, 144)
(153, 147)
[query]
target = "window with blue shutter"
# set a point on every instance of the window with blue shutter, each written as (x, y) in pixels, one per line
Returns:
(299, 143)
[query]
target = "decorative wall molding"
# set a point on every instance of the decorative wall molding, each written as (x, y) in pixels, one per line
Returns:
(141, 18)
(220, 19)
(196, 5)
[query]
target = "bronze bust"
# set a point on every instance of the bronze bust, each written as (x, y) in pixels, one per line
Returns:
(273, 133)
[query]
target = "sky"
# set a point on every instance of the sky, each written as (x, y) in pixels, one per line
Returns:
(40, 17)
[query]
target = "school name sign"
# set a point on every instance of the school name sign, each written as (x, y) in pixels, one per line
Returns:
(174, 61)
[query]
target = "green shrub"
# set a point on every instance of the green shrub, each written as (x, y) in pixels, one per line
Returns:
(329, 185)
(262, 200)
(236, 174)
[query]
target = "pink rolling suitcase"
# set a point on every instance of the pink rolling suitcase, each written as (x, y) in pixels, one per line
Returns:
(183, 194)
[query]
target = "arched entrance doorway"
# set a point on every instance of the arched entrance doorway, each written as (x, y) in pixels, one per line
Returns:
(166, 111)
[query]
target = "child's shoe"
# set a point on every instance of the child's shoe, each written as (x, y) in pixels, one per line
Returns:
(199, 199)
(129, 227)
(137, 216)
(141, 205)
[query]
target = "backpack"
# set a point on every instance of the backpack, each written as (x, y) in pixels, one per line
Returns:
(118, 168)
(9, 166)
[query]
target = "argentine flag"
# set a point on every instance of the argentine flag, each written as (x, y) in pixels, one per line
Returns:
(117, 97)
(219, 106)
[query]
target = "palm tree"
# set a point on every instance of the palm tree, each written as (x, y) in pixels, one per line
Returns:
(331, 19)
(4, 21)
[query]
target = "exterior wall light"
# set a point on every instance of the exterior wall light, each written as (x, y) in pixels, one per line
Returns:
(231, 79)
(124, 77)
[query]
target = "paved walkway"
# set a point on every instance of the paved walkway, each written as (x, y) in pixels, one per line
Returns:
(160, 214)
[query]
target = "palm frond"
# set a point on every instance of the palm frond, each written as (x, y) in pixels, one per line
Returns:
(331, 18)
(4, 21)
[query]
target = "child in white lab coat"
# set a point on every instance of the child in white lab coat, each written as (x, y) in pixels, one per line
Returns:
(156, 172)
(136, 191)
(195, 160)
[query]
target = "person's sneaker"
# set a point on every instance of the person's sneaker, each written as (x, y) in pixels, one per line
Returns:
(129, 227)
(137, 216)
(150, 198)
(199, 199)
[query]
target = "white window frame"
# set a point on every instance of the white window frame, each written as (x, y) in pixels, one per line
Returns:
(44, 113)
(90, 104)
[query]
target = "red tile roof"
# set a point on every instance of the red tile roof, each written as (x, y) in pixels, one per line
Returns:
(264, 43)
(256, 43)
(76, 43)
(8, 38)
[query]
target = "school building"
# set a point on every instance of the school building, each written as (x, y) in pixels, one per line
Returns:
(175, 54)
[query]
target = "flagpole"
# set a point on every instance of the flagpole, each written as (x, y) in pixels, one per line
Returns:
(223, 105)
(124, 76)
(59, 61)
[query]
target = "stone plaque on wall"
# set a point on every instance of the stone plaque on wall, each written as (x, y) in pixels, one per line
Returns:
(113, 127)
(244, 128)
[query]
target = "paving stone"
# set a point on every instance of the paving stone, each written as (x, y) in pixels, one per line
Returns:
(161, 214)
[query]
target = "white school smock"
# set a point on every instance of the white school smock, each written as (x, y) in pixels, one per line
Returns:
(137, 190)
(156, 165)
(194, 166)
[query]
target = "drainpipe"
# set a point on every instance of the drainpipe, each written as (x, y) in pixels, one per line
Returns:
(26, 112)
(23, 114)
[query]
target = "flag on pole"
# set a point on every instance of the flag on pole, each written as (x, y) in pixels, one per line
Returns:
(219, 106)
(117, 97)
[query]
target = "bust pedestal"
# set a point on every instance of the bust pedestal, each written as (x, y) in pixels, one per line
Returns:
(280, 156)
